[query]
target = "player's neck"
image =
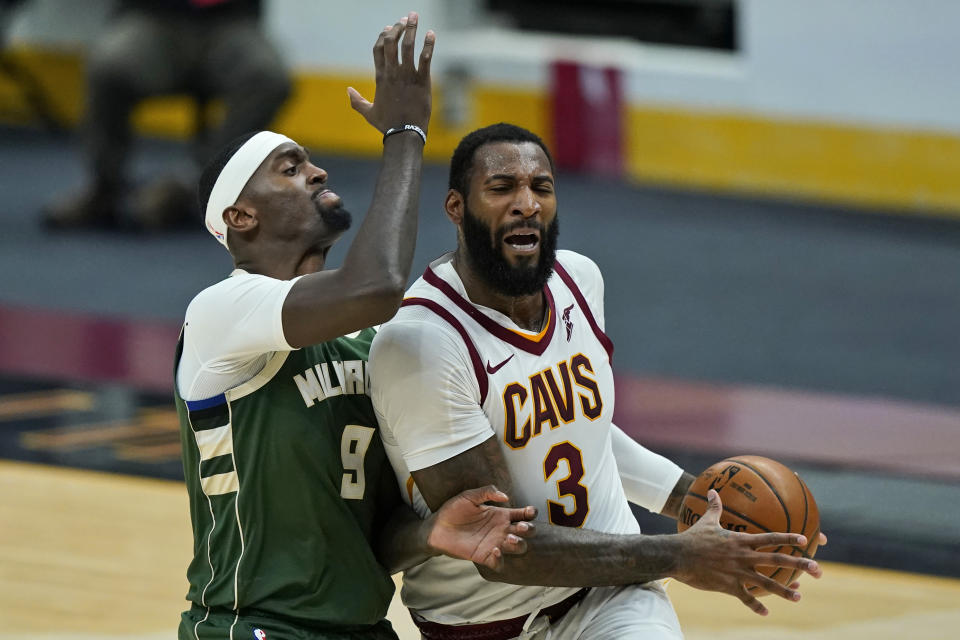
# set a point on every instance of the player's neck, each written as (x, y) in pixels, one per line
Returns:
(282, 266)
(527, 312)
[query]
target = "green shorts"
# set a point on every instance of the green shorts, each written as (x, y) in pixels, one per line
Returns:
(197, 624)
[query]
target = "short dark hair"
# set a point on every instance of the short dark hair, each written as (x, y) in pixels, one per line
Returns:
(213, 168)
(461, 164)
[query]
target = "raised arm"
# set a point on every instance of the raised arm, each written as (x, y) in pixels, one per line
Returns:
(368, 287)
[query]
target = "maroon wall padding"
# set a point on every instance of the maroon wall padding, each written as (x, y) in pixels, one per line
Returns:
(588, 118)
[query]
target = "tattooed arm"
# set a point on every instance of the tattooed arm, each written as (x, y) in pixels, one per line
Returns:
(705, 556)
(557, 556)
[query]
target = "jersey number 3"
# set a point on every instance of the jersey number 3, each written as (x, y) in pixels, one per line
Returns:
(353, 447)
(568, 486)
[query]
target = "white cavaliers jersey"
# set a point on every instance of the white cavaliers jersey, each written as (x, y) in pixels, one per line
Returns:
(447, 375)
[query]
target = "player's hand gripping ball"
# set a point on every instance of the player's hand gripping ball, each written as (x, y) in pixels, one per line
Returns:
(759, 495)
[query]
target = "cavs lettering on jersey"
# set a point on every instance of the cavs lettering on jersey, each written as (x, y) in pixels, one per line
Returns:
(447, 375)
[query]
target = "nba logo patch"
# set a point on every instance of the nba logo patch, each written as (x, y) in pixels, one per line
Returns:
(260, 634)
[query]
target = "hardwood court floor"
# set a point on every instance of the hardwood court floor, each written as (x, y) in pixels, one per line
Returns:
(90, 556)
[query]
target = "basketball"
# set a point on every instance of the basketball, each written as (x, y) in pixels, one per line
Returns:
(759, 495)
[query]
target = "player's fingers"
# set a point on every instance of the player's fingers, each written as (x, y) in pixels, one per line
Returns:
(390, 61)
(760, 540)
(755, 605)
(813, 568)
(791, 562)
(488, 493)
(528, 512)
(714, 508)
(823, 539)
(409, 40)
(514, 545)
(426, 54)
(360, 104)
(522, 529)
(772, 586)
(378, 53)
(493, 560)
(522, 513)
(760, 592)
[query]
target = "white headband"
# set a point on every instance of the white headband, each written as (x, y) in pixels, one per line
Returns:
(234, 177)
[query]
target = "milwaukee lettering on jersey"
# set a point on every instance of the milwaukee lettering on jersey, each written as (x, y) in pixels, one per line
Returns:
(555, 395)
(329, 379)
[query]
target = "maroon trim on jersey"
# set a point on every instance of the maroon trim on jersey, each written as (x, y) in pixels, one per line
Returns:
(536, 347)
(478, 369)
(578, 296)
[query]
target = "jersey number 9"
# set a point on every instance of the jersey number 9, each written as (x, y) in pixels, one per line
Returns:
(353, 447)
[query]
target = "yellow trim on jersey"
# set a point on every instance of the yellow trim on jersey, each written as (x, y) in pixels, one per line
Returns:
(539, 336)
(410, 489)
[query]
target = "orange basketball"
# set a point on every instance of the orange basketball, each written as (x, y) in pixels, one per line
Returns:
(759, 495)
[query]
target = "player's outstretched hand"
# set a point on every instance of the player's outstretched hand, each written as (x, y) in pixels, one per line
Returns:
(466, 527)
(715, 559)
(402, 95)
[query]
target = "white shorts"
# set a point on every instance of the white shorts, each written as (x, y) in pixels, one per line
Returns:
(613, 613)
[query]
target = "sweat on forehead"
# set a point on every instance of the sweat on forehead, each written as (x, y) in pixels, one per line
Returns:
(501, 157)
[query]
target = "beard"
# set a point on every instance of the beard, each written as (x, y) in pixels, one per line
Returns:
(335, 217)
(490, 264)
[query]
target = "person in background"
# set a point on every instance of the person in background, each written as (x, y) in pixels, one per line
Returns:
(207, 49)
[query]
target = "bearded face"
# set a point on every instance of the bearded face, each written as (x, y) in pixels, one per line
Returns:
(485, 252)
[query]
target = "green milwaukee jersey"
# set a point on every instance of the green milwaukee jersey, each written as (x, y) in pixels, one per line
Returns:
(288, 485)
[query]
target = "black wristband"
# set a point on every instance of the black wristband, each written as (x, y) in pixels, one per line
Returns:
(406, 127)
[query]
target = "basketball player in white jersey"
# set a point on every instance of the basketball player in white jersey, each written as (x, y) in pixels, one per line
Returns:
(497, 370)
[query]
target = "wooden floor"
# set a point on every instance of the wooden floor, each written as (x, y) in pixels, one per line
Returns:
(89, 556)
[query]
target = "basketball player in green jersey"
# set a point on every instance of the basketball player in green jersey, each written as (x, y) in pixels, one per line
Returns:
(296, 516)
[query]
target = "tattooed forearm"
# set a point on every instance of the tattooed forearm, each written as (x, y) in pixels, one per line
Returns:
(568, 557)
(476, 467)
(556, 556)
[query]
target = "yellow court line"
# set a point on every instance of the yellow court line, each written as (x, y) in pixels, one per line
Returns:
(93, 434)
(43, 403)
(148, 453)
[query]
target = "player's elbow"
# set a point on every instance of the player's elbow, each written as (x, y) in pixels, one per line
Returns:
(381, 297)
(387, 298)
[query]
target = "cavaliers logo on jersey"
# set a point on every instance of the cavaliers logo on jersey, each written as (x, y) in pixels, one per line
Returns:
(567, 322)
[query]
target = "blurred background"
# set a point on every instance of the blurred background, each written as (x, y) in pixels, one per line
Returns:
(770, 187)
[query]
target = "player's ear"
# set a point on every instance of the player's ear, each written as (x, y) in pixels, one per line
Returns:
(240, 218)
(453, 205)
